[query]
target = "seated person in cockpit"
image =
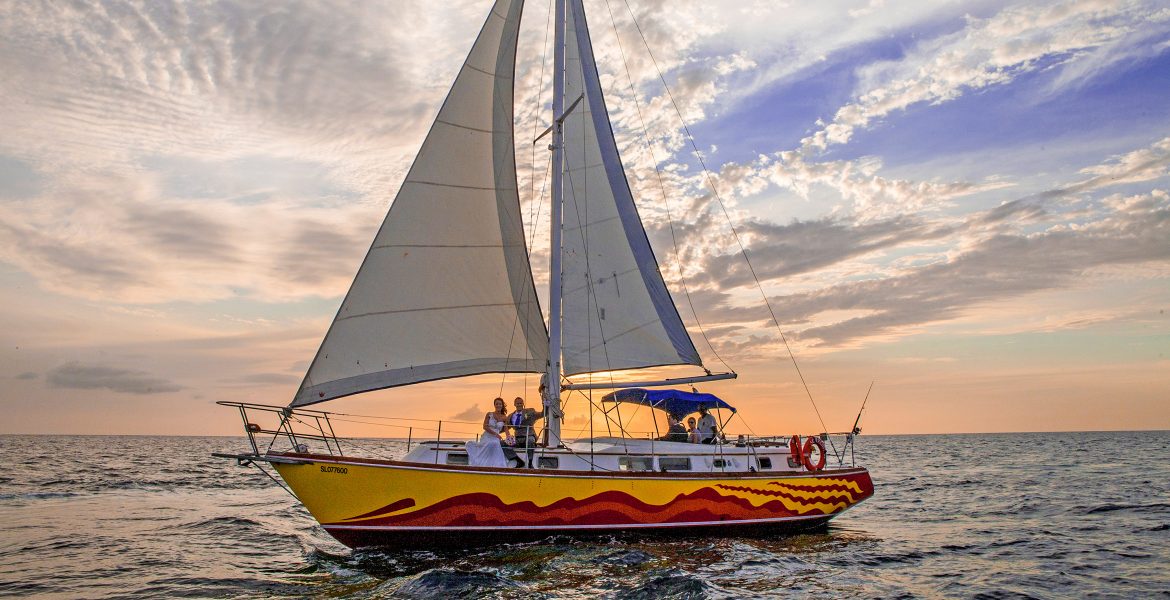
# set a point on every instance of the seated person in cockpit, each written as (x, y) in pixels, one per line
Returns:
(677, 432)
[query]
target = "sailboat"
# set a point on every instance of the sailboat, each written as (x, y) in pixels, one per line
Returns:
(446, 290)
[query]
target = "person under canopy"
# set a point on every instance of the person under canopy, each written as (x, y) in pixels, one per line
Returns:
(677, 432)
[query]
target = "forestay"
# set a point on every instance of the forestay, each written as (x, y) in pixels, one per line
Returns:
(446, 289)
(616, 311)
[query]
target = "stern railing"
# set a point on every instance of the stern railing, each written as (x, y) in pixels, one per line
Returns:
(312, 431)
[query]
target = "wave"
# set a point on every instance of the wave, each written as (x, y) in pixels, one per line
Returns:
(38, 495)
(912, 556)
(1107, 508)
(625, 558)
(454, 583)
(672, 583)
(220, 524)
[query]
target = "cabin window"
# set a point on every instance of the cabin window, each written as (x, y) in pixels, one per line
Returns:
(549, 462)
(456, 458)
(765, 462)
(721, 463)
(635, 463)
(674, 463)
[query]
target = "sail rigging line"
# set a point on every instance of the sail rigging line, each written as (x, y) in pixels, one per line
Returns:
(397, 418)
(715, 193)
(569, 449)
(528, 304)
(536, 123)
(593, 409)
(534, 212)
(274, 480)
(532, 209)
(432, 428)
(591, 297)
(583, 233)
(662, 188)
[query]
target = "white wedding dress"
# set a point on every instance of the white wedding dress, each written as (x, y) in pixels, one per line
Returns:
(488, 452)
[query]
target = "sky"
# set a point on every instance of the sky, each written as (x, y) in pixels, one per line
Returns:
(966, 204)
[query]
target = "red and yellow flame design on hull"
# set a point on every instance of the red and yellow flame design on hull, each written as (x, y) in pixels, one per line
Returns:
(394, 496)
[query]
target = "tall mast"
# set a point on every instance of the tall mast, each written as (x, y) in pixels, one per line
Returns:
(552, 394)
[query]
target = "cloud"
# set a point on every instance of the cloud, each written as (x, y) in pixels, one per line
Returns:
(577, 420)
(1137, 166)
(800, 247)
(869, 8)
(17, 179)
(1148, 39)
(317, 255)
(1000, 267)
(215, 78)
(987, 52)
(871, 196)
(1045, 241)
(1143, 164)
(472, 414)
(74, 375)
(109, 237)
(263, 379)
(1018, 210)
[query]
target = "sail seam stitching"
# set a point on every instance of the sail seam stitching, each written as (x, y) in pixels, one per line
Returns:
(409, 310)
(455, 185)
(469, 128)
(588, 224)
(448, 246)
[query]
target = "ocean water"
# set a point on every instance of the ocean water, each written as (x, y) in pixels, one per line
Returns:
(983, 516)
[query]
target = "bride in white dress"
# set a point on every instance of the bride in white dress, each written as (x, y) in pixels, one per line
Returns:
(488, 452)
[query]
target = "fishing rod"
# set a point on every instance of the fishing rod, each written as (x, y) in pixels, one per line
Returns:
(857, 430)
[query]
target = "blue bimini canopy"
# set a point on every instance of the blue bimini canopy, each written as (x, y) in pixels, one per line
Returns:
(675, 402)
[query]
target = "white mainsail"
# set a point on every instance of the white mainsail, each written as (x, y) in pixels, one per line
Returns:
(446, 289)
(616, 311)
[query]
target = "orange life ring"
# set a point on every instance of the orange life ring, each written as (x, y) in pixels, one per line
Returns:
(806, 455)
(794, 451)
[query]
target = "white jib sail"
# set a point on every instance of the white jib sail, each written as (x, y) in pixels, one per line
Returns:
(446, 289)
(617, 312)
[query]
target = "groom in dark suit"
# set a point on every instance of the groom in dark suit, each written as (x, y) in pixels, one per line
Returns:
(523, 423)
